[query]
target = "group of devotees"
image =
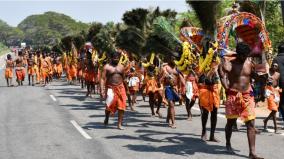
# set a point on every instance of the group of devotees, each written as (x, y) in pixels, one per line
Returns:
(165, 85)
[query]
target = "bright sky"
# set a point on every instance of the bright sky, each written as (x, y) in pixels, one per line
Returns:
(14, 11)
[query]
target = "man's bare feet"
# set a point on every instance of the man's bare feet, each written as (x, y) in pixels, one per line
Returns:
(213, 139)
(105, 122)
(189, 118)
(230, 149)
(204, 137)
(120, 127)
(251, 156)
(159, 114)
(277, 132)
(173, 126)
(264, 125)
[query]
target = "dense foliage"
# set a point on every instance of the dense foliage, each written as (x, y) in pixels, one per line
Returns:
(136, 33)
(40, 30)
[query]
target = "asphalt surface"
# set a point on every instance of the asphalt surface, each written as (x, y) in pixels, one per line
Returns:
(35, 123)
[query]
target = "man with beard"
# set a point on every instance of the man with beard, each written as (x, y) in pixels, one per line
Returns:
(114, 88)
(236, 76)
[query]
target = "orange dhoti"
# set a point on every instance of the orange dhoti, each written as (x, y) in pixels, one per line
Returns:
(240, 104)
(116, 98)
(37, 73)
(209, 96)
(8, 73)
(31, 70)
(44, 73)
(58, 69)
(151, 86)
(90, 76)
(72, 72)
(273, 98)
(20, 73)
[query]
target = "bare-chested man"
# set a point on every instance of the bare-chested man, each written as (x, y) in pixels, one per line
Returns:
(235, 77)
(9, 70)
(171, 76)
(20, 68)
(272, 95)
(31, 69)
(115, 88)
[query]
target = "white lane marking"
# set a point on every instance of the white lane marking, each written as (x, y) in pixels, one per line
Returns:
(52, 97)
(81, 131)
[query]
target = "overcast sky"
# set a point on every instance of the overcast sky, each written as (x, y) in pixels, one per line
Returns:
(14, 11)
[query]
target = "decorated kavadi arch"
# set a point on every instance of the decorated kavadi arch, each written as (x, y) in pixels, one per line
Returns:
(244, 26)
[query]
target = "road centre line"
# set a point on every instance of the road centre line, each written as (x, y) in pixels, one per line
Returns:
(81, 131)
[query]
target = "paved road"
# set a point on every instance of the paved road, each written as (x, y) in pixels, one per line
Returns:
(35, 125)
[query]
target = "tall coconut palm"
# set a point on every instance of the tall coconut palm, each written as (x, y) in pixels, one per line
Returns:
(206, 12)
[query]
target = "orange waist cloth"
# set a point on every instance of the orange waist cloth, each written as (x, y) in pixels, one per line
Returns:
(72, 72)
(240, 104)
(90, 76)
(116, 98)
(209, 96)
(271, 104)
(8, 73)
(20, 73)
(31, 70)
(58, 68)
(151, 85)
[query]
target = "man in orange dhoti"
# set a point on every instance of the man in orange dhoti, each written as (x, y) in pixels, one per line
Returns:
(209, 101)
(89, 74)
(31, 69)
(45, 69)
(115, 93)
(58, 68)
(236, 76)
(154, 90)
(272, 93)
(72, 71)
(20, 68)
(38, 67)
(9, 70)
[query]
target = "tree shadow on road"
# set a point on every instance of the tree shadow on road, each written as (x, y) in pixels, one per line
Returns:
(174, 143)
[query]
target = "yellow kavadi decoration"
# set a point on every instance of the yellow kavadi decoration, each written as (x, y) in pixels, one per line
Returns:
(145, 65)
(123, 59)
(100, 60)
(205, 63)
(187, 58)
